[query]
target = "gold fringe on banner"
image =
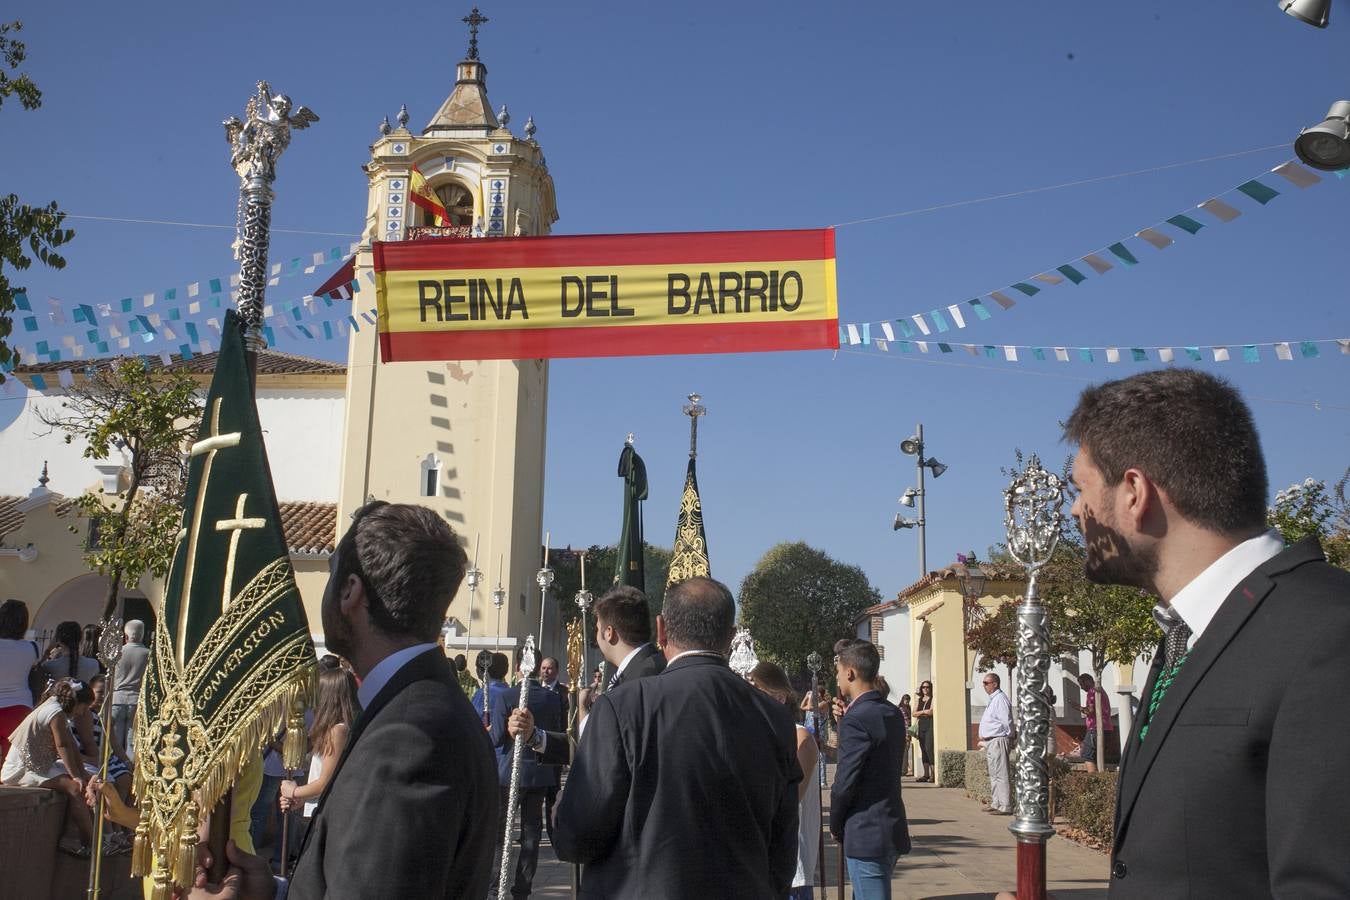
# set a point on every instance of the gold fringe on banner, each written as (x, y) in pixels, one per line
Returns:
(187, 763)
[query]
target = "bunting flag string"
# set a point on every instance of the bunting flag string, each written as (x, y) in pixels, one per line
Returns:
(1283, 351)
(1160, 235)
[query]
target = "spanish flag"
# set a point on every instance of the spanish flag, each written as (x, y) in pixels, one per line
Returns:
(423, 196)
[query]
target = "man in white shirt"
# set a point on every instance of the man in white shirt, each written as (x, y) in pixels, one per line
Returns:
(1226, 788)
(996, 731)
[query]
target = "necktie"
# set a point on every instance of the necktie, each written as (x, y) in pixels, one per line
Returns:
(1175, 652)
(613, 681)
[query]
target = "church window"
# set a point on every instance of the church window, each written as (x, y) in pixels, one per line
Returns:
(431, 475)
(457, 200)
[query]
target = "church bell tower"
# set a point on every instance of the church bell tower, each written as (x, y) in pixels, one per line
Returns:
(464, 438)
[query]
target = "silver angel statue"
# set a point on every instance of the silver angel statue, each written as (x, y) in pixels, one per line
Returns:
(258, 142)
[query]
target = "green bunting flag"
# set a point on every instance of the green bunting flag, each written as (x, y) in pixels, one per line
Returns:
(690, 556)
(628, 567)
(231, 660)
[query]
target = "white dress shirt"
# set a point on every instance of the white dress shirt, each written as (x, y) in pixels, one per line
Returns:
(627, 659)
(997, 719)
(385, 669)
(1199, 600)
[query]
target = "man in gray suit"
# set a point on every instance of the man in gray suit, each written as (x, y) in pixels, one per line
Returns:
(411, 810)
(1228, 783)
(126, 684)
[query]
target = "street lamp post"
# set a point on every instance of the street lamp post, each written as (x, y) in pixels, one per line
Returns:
(913, 446)
(1033, 516)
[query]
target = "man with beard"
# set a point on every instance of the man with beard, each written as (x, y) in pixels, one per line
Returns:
(1227, 786)
(411, 810)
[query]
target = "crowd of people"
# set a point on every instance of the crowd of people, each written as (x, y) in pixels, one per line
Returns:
(686, 780)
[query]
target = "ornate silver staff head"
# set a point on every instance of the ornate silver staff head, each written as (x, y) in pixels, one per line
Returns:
(527, 658)
(1033, 514)
(584, 598)
(814, 662)
(544, 578)
(474, 577)
(110, 643)
(498, 596)
(743, 658)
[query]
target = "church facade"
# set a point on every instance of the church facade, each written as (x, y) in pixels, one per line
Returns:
(465, 438)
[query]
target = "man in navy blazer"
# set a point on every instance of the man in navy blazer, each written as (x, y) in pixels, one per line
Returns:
(866, 812)
(535, 777)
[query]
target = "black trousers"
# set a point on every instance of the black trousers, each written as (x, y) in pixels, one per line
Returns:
(550, 800)
(531, 828)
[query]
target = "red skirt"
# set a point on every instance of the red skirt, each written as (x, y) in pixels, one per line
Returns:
(11, 717)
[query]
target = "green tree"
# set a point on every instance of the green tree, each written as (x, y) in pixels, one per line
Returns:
(600, 562)
(1308, 509)
(797, 600)
(25, 231)
(148, 415)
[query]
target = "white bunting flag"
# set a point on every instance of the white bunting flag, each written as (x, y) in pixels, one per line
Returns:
(1165, 354)
(1220, 354)
(78, 351)
(1344, 344)
(234, 280)
(1049, 278)
(318, 258)
(68, 341)
(922, 345)
(194, 289)
(65, 379)
(1283, 352)
(923, 326)
(1113, 354)
(882, 344)
(956, 315)
(970, 348)
(165, 359)
(154, 319)
(1099, 265)
(276, 268)
(124, 343)
(888, 331)
(194, 308)
(1296, 175)
(273, 282)
(1154, 237)
(853, 337)
(1061, 354)
(1010, 354)
(1220, 210)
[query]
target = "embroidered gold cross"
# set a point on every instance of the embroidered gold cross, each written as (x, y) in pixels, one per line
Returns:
(237, 525)
(209, 445)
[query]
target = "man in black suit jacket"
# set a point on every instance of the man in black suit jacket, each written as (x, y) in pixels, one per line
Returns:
(548, 678)
(411, 810)
(1228, 783)
(685, 785)
(535, 777)
(866, 813)
(623, 632)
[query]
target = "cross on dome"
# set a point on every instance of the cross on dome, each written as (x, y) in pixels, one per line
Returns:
(473, 20)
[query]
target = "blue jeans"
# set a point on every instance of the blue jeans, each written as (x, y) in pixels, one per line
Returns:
(871, 877)
(801, 893)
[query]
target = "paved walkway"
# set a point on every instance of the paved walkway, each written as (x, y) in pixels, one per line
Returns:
(960, 853)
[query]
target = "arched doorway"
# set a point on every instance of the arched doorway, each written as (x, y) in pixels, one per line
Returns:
(81, 600)
(924, 660)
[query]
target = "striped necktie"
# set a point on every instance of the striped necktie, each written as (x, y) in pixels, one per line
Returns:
(1175, 650)
(613, 682)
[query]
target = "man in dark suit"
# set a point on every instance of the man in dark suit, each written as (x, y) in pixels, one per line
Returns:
(548, 679)
(411, 810)
(685, 785)
(535, 777)
(866, 813)
(623, 632)
(1226, 788)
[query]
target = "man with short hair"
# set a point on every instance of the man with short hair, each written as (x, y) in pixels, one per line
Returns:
(867, 814)
(1094, 704)
(498, 666)
(685, 785)
(996, 730)
(623, 632)
(1225, 787)
(411, 810)
(126, 681)
(549, 681)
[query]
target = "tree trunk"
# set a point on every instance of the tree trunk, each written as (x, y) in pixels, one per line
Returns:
(1099, 714)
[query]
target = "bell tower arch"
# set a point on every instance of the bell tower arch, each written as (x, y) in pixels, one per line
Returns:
(482, 421)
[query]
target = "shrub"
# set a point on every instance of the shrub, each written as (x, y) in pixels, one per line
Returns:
(977, 775)
(951, 768)
(1087, 800)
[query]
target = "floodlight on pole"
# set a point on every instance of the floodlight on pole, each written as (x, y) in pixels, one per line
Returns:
(1326, 145)
(913, 446)
(1314, 12)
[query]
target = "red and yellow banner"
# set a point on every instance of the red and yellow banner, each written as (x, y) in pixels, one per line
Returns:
(606, 295)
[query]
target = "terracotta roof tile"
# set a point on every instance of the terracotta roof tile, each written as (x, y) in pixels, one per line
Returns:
(11, 518)
(270, 362)
(310, 527)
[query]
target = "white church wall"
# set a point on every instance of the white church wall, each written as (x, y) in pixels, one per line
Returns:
(302, 428)
(894, 643)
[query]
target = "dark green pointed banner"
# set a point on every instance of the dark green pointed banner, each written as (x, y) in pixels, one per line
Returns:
(629, 568)
(690, 556)
(232, 659)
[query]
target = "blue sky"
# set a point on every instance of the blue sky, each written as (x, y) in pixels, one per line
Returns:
(702, 116)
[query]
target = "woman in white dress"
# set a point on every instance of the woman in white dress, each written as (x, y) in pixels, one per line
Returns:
(773, 681)
(43, 753)
(335, 709)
